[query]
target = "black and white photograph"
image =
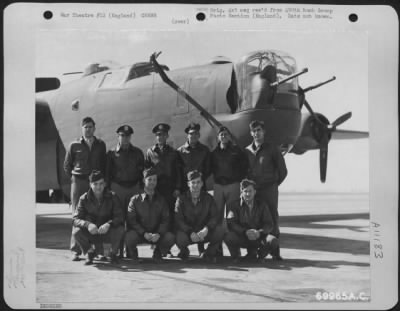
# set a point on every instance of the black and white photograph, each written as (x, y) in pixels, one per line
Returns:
(223, 156)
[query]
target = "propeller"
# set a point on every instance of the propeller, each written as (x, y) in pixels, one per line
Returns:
(323, 132)
(322, 128)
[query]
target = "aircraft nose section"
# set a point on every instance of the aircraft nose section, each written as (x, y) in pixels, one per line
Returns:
(281, 126)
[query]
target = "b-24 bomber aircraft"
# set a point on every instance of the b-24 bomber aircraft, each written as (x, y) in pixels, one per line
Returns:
(262, 85)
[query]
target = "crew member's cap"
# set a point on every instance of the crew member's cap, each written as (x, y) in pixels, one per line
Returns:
(222, 129)
(95, 176)
(247, 182)
(161, 127)
(125, 129)
(87, 120)
(149, 172)
(192, 127)
(193, 175)
(256, 123)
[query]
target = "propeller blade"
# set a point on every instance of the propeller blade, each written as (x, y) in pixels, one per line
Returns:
(312, 112)
(323, 157)
(347, 134)
(323, 163)
(341, 120)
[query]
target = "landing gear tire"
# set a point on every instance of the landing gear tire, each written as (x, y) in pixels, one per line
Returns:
(57, 196)
(43, 196)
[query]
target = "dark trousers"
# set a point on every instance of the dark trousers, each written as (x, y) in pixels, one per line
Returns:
(235, 241)
(84, 239)
(79, 185)
(164, 243)
(214, 238)
(167, 190)
(269, 194)
(124, 194)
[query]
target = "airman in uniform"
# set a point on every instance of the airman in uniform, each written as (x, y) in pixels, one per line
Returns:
(267, 169)
(194, 156)
(250, 225)
(165, 160)
(84, 155)
(148, 219)
(124, 170)
(98, 219)
(196, 219)
(228, 166)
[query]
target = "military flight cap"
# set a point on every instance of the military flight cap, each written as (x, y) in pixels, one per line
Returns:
(161, 127)
(125, 129)
(193, 175)
(222, 129)
(192, 127)
(149, 172)
(247, 182)
(95, 176)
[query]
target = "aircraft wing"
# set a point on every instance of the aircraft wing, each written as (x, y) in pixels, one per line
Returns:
(347, 134)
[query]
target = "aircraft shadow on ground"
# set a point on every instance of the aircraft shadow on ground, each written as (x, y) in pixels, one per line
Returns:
(55, 233)
(310, 221)
(323, 243)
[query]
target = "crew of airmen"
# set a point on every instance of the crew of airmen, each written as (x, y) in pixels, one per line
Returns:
(123, 197)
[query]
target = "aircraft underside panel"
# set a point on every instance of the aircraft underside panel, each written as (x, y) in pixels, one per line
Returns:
(46, 137)
(46, 175)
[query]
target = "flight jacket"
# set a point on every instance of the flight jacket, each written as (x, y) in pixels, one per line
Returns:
(89, 210)
(80, 160)
(148, 216)
(192, 218)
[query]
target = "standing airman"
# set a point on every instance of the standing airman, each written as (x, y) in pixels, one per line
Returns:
(124, 171)
(194, 156)
(165, 160)
(84, 155)
(268, 169)
(229, 167)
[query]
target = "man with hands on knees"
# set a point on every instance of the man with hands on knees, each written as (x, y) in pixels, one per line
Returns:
(98, 219)
(196, 219)
(250, 225)
(148, 219)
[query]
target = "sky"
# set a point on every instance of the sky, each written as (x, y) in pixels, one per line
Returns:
(325, 54)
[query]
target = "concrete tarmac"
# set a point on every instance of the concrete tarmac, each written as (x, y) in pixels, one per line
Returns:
(324, 243)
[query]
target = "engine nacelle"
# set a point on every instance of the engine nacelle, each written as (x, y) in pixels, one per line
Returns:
(311, 133)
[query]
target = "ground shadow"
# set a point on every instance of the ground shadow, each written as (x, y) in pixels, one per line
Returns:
(324, 244)
(55, 232)
(175, 265)
(310, 221)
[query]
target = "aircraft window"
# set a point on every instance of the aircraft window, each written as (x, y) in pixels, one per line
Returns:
(257, 71)
(113, 79)
(141, 70)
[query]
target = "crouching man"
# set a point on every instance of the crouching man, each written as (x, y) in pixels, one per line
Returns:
(98, 219)
(196, 219)
(250, 225)
(148, 219)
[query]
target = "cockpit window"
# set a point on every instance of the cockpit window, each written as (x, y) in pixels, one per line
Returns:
(113, 79)
(257, 70)
(142, 69)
